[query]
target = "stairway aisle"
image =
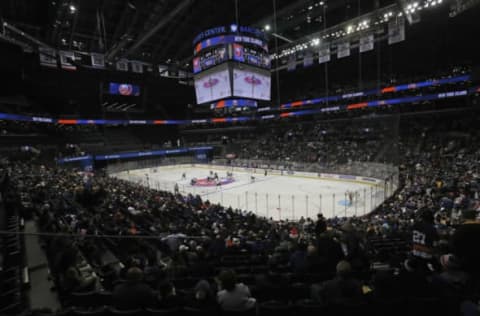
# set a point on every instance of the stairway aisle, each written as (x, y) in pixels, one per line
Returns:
(39, 294)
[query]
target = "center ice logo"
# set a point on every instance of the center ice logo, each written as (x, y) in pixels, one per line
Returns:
(210, 83)
(252, 80)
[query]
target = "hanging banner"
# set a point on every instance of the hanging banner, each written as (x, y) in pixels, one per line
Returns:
(48, 57)
(366, 43)
(98, 60)
(396, 30)
(163, 70)
(292, 62)
(137, 66)
(66, 60)
(324, 54)
(308, 59)
(122, 65)
(343, 49)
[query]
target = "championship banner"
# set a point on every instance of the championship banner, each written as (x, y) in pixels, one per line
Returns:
(137, 66)
(343, 50)
(98, 60)
(182, 77)
(366, 43)
(324, 54)
(163, 70)
(48, 57)
(292, 62)
(396, 30)
(66, 58)
(308, 59)
(122, 65)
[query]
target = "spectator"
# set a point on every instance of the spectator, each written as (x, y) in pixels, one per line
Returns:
(167, 295)
(77, 276)
(233, 296)
(452, 280)
(425, 237)
(298, 259)
(134, 293)
(202, 298)
(342, 289)
(320, 225)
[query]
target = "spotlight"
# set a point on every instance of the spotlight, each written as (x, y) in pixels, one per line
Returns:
(72, 8)
(267, 27)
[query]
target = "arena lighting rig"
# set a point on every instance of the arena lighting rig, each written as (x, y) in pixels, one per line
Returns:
(232, 64)
(372, 22)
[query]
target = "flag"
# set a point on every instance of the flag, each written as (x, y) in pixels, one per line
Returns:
(366, 43)
(66, 60)
(136, 66)
(308, 59)
(48, 57)
(324, 54)
(343, 49)
(292, 62)
(98, 60)
(163, 70)
(122, 65)
(396, 30)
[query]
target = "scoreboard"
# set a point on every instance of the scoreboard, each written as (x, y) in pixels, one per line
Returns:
(231, 62)
(212, 57)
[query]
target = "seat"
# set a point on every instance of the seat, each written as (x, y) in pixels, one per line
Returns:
(299, 291)
(99, 311)
(274, 308)
(104, 298)
(309, 308)
(348, 309)
(162, 312)
(199, 312)
(424, 306)
(112, 311)
(83, 300)
(392, 307)
(250, 312)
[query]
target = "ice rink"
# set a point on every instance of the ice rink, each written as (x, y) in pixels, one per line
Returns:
(276, 196)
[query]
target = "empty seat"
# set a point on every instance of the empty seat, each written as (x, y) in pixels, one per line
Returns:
(274, 308)
(309, 308)
(162, 312)
(84, 300)
(199, 312)
(112, 311)
(99, 311)
(250, 312)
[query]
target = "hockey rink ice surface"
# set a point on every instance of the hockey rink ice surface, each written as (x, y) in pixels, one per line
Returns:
(277, 196)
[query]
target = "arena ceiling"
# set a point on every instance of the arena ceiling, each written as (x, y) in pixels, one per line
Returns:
(162, 31)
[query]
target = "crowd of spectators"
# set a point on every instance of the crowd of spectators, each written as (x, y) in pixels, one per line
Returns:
(152, 248)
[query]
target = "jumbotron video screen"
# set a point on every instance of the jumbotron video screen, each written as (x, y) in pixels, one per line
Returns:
(251, 83)
(213, 85)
